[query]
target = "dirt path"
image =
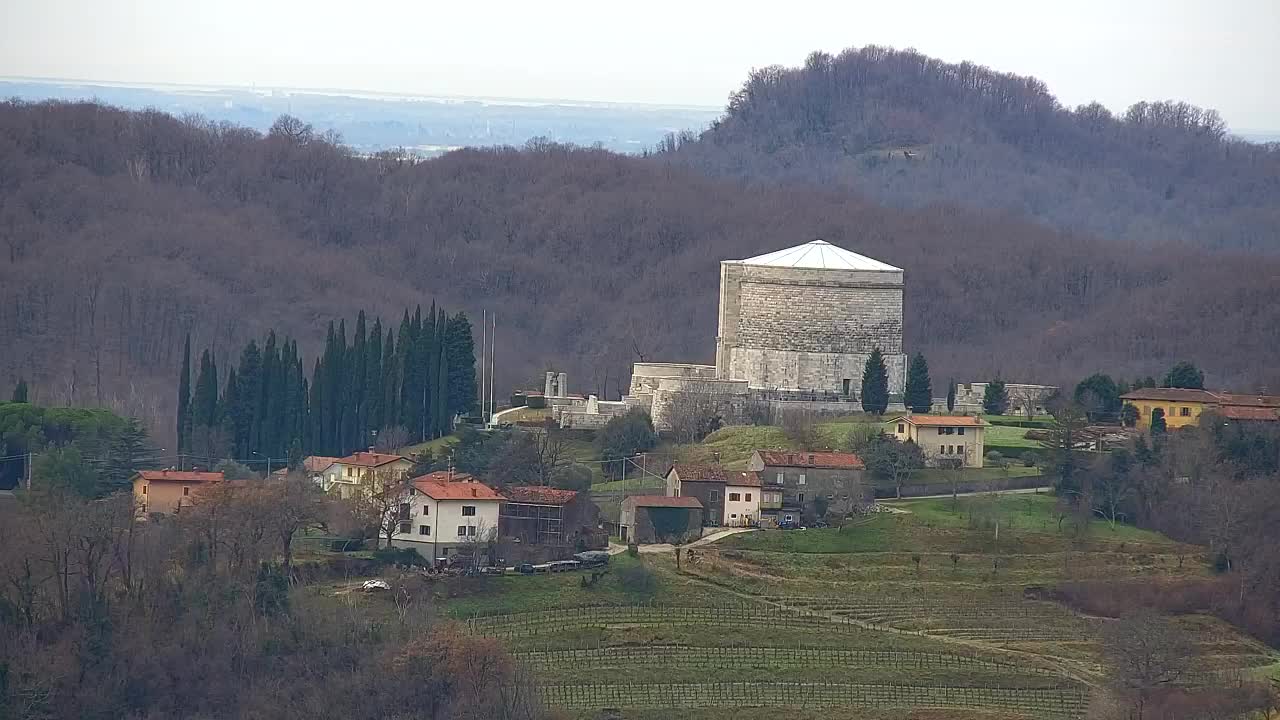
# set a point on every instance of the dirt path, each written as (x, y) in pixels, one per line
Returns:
(713, 537)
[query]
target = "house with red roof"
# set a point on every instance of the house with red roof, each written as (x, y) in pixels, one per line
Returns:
(551, 517)
(446, 513)
(168, 491)
(804, 487)
(367, 471)
(943, 438)
(660, 518)
(729, 498)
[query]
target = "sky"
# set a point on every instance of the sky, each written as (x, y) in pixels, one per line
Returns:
(1221, 54)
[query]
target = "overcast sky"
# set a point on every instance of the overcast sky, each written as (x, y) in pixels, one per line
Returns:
(1222, 54)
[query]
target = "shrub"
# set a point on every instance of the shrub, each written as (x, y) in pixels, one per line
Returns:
(639, 581)
(400, 556)
(995, 457)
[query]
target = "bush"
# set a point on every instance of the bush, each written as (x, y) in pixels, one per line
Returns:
(995, 457)
(346, 545)
(400, 556)
(639, 581)
(1029, 459)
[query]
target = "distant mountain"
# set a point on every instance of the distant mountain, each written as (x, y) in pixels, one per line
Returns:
(913, 130)
(369, 122)
(122, 231)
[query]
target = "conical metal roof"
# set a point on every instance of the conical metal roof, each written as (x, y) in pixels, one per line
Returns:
(820, 255)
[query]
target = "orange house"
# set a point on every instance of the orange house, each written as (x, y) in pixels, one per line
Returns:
(168, 491)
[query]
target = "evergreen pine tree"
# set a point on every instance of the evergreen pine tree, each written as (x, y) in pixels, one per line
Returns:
(373, 389)
(461, 353)
(995, 399)
(407, 367)
(125, 456)
(248, 392)
(441, 393)
(919, 391)
(875, 384)
(231, 409)
(429, 352)
(316, 417)
(390, 382)
(951, 395)
(358, 370)
(184, 399)
(204, 402)
(20, 391)
(267, 425)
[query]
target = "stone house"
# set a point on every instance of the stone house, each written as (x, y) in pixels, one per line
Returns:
(659, 518)
(536, 515)
(168, 491)
(1024, 398)
(811, 484)
(729, 498)
(447, 514)
(370, 470)
(943, 437)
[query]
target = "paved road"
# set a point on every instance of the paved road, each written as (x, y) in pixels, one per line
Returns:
(615, 548)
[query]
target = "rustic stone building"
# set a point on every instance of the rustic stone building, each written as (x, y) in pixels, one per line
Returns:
(811, 484)
(658, 518)
(796, 327)
(807, 318)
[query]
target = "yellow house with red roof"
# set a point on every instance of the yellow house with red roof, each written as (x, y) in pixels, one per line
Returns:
(943, 438)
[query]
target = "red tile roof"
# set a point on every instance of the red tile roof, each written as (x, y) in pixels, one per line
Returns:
(743, 479)
(317, 463)
(457, 490)
(1171, 395)
(370, 459)
(942, 420)
(186, 476)
(662, 501)
(1271, 401)
(445, 476)
(693, 472)
(1241, 412)
(539, 495)
(787, 458)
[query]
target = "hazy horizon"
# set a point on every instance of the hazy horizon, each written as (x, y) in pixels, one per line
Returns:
(671, 54)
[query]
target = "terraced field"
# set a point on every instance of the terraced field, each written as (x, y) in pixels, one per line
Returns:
(923, 614)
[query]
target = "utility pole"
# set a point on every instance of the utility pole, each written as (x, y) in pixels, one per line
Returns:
(30, 459)
(484, 338)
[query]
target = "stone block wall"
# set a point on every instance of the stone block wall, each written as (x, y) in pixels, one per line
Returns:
(807, 328)
(730, 397)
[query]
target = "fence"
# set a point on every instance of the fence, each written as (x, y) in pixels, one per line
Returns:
(752, 657)
(1037, 701)
(560, 619)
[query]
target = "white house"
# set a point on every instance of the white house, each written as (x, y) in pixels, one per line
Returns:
(943, 437)
(742, 496)
(374, 470)
(448, 513)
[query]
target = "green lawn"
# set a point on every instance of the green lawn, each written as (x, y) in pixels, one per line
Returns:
(733, 445)
(943, 477)
(435, 446)
(1009, 437)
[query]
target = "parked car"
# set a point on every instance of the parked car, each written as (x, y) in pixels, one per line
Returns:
(525, 568)
(592, 558)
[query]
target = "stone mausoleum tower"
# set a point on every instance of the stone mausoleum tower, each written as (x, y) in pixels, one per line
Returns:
(806, 318)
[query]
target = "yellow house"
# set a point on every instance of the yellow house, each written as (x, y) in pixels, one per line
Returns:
(1182, 407)
(168, 491)
(371, 471)
(943, 437)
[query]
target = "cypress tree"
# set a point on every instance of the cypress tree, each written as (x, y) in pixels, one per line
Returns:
(204, 403)
(184, 399)
(230, 404)
(325, 384)
(429, 356)
(951, 395)
(390, 383)
(461, 354)
(248, 399)
(919, 391)
(316, 416)
(406, 364)
(875, 384)
(995, 399)
(269, 402)
(20, 391)
(358, 369)
(373, 389)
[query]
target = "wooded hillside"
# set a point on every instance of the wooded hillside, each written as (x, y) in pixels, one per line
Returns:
(912, 130)
(123, 231)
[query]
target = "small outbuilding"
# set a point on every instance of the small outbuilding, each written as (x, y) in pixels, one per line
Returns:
(659, 518)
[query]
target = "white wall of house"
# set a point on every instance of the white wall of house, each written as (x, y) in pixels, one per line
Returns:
(346, 477)
(745, 509)
(448, 524)
(943, 443)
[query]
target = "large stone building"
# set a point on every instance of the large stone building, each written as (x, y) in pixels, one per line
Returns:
(796, 327)
(807, 318)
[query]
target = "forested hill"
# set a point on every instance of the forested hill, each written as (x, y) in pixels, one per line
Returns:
(911, 130)
(120, 232)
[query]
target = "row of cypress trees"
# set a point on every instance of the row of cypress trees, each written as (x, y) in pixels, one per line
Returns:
(410, 380)
(917, 395)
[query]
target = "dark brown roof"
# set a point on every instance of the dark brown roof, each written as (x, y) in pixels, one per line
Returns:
(1256, 400)
(370, 459)
(787, 458)
(942, 420)
(692, 472)
(539, 495)
(743, 478)
(1241, 412)
(1171, 395)
(183, 476)
(663, 501)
